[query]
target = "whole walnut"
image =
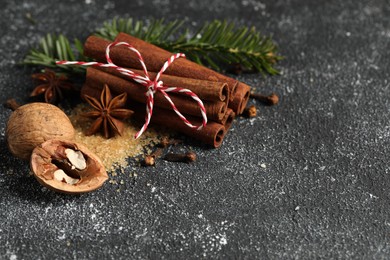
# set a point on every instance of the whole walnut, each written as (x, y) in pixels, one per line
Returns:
(32, 124)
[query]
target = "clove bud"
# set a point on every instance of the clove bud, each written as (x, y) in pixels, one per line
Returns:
(250, 111)
(270, 100)
(184, 157)
(11, 104)
(150, 159)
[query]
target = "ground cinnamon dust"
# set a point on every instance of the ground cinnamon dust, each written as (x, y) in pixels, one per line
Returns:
(115, 151)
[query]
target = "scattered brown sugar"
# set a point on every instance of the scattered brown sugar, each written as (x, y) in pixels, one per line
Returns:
(114, 151)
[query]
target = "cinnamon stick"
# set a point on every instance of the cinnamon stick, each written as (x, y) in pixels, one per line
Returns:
(228, 119)
(239, 91)
(96, 78)
(212, 134)
(95, 92)
(240, 98)
(91, 91)
(154, 58)
(204, 89)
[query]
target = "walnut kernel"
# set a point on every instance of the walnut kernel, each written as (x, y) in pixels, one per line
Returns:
(67, 167)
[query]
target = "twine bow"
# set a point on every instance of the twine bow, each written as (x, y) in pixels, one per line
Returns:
(152, 86)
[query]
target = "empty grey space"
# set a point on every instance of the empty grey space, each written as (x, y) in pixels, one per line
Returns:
(306, 179)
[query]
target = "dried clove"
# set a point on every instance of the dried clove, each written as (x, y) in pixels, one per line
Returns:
(250, 111)
(150, 159)
(184, 157)
(270, 100)
(11, 104)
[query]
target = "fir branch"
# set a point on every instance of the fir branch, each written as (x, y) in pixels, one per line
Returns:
(53, 48)
(214, 44)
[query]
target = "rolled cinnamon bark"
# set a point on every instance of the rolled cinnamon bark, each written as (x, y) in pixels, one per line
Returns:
(239, 91)
(215, 111)
(154, 58)
(240, 98)
(212, 134)
(91, 91)
(204, 89)
(228, 119)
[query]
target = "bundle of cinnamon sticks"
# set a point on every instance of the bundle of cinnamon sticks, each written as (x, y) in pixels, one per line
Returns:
(223, 97)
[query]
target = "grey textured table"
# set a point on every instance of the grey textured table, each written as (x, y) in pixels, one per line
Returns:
(324, 192)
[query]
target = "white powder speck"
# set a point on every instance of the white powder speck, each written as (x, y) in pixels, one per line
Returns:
(153, 189)
(13, 257)
(297, 208)
(47, 209)
(347, 34)
(223, 240)
(322, 168)
(62, 236)
(373, 196)
(263, 165)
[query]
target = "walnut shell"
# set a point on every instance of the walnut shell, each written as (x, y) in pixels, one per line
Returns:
(34, 123)
(51, 157)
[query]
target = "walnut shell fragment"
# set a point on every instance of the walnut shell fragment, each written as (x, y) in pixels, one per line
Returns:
(67, 167)
(34, 123)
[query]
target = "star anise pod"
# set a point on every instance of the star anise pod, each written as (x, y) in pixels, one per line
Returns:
(51, 85)
(108, 113)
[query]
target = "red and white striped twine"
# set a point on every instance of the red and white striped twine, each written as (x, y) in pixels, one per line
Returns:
(152, 85)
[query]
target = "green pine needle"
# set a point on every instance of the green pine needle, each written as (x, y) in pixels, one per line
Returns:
(53, 48)
(215, 44)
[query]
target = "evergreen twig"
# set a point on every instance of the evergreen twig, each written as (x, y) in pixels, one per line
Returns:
(54, 47)
(214, 44)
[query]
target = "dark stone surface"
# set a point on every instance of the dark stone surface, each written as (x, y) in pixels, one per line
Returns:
(324, 190)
